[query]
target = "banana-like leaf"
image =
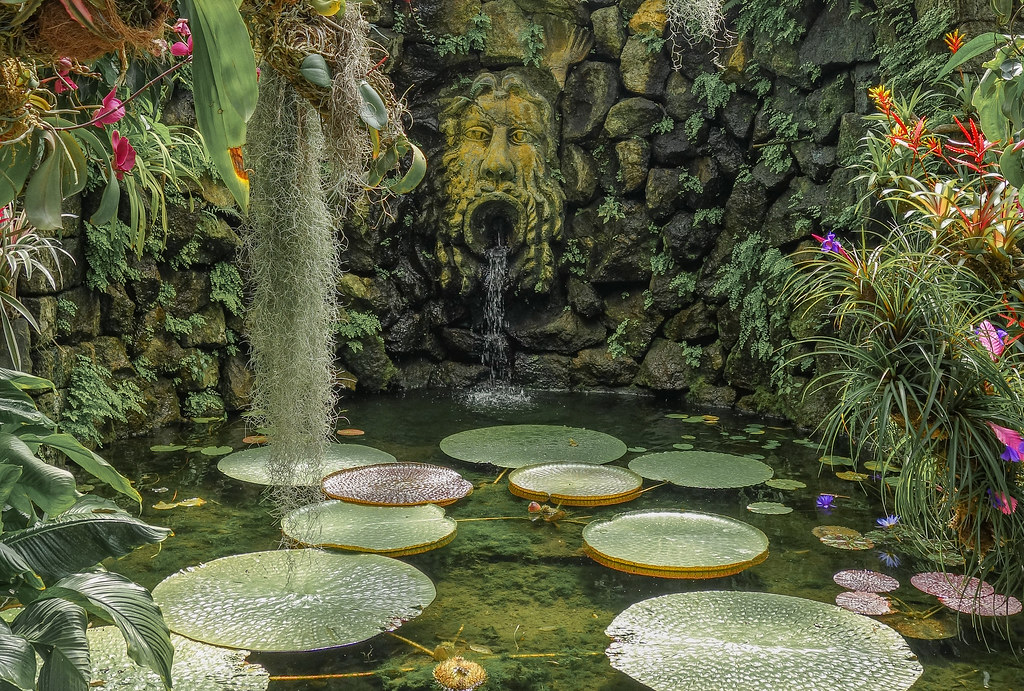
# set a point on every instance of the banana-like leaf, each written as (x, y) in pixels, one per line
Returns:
(130, 607)
(224, 76)
(43, 192)
(13, 568)
(17, 661)
(87, 460)
(314, 68)
(23, 380)
(15, 409)
(15, 163)
(9, 476)
(372, 110)
(56, 628)
(51, 489)
(63, 546)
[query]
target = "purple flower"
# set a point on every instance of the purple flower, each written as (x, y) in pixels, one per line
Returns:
(889, 559)
(993, 339)
(1012, 439)
(888, 521)
(825, 501)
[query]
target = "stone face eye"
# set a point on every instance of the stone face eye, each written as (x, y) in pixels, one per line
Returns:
(520, 136)
(477, 134)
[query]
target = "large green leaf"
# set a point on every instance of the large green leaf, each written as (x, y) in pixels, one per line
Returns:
(15, 163)
(24, 381)
(18, 407)
(51, 489)
(1011, 165)
(13, 567)
(63, 546)
(57, 630)
(88, 461)
(9, 475)
(224, 82)
(43, 192)
(978, 45)
(513, 446)
(17, 661)
(130, 607)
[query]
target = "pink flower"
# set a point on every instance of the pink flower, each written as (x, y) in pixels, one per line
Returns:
(64, 83)
(181, 28)
(124, 154)
(111, 111)
(180, 49)
(1014, 443)
(991, 338)
(1005, 504)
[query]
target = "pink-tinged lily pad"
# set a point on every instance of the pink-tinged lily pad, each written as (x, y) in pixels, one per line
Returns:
(866, 581)
(951, 585)
(991, 605)
(864, 603)
(847, 542)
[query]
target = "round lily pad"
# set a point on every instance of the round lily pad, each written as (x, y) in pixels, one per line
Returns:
(821, 531)
(834, 461)
(513, 446)
(781, 483)
(703, 469)
(851, 476)
(391, 530)
(864, 603)
(847, 542)
(575, 484)
(769, 507)
(253, 465)
(292, 600)
(675, 544)
(931, 629)
(951, 585)
(991, 605)
(866, 581)
(748, 641)
(197, 666)
(397, 484)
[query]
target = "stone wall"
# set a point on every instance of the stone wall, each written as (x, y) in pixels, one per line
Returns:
(680, 193)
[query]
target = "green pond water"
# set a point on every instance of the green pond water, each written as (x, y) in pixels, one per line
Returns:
(531, 607)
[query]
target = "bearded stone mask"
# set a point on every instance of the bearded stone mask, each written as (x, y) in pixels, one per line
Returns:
(498, 190)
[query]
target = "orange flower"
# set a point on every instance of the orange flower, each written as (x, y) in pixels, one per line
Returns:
(881, 97)
(954, 41)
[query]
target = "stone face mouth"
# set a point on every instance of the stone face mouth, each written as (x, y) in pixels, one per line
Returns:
(495, 220)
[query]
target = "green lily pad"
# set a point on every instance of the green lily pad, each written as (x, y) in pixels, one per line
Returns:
(742, 641)
(513, 446)
(215, 450)
(575, 484)
(769, 507)
(682, 446)
(253, 465)
(783, 483)
(292, 600)
(391, 530)
(833, 461)
(675, 544)
(704, 469)
(167, 448)
(197, 666)
(637, 449)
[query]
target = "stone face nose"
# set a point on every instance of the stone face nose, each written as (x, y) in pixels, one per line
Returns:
(496, 166)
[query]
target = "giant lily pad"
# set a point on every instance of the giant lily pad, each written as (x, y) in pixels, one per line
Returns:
(575, 484)
(866, 581)
(742, 641)
(292, 600)
(253, 465)
(391, 530)
(864, 603)
(513, 446)
(397, 484)
(704, 469)
(675, 544)
(197, 666)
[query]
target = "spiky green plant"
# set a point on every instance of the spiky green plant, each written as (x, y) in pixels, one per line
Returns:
(292, 263)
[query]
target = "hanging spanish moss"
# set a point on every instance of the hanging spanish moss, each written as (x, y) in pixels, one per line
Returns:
(290, 250)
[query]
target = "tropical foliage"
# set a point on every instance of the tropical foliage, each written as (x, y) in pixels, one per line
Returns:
(52, 538)
(924, 308)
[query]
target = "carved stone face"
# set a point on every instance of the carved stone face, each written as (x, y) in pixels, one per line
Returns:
(497, 186)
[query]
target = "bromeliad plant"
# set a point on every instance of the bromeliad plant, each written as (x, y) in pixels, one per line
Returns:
(52, 538)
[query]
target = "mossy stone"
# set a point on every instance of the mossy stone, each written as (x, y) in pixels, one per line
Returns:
(632, 117)
(643, 72)
(609, 34)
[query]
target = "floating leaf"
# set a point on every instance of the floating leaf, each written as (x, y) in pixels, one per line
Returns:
(575, 484)
(197, 666)
(397, 484)
(769, 507)
(513, 446)
(637, 449)
(256, 439)
(292, 600)
(864, 603)
(682, 446)
(847, 542)
(350, 432)
(732, 641)
(951, 585)
(865, 581)
(164, 506)
(391, 530)
(215, 450)
(881, 467)
(820, 531)
(931, 629)
(704, 469)
(991, 605)
(837, 460)
(253, 465)
(675, 544)
(166, 448)
(782, 483)
(852, 476)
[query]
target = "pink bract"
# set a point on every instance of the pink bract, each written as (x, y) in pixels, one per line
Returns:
(991, 605)
(950, 585)
(864, 603)
(866, 581)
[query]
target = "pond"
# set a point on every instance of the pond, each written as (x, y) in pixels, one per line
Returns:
(520, 596)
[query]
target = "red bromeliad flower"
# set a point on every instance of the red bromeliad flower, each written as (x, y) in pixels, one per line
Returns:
(954, 40)
(882, 98)
(975, 147)
(124, 154)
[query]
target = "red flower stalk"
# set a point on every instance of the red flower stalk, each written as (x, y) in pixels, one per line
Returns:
(954, 40)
